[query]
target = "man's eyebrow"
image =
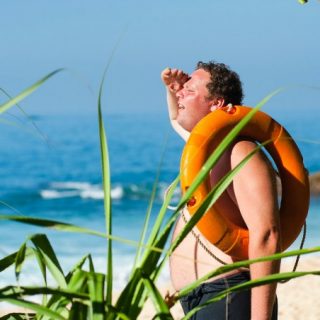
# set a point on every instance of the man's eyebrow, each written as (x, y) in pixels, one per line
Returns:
(189, 78)
(187, 84)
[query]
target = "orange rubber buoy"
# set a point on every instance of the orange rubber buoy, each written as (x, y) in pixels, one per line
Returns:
(206, 135)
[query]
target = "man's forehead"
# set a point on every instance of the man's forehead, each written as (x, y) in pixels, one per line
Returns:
(200, 75)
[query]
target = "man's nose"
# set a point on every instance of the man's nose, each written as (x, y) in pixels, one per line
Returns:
(180, 94)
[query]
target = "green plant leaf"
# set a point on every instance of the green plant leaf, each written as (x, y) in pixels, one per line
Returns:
(250, 284)
(61, 226)
(79, 311)
(244, 264)
(42, 243)
(106, 190)
(77, 283)
(8, 261)
(106, 178)
(41, 263)
(134, 295)
(27, 92)
(150, 205)
(20, 258)
(35, 307)
(40, 133)
(159, 303)
(79, 265)
(96, 283)
(18, 291)
(161, 215)
(19, 316)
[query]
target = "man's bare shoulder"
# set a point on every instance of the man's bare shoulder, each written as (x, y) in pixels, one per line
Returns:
(258, 162)
(240, 149)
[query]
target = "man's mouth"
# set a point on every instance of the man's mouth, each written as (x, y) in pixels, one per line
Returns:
(180, 106)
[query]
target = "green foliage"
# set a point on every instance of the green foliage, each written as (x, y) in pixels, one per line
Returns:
(84, 293)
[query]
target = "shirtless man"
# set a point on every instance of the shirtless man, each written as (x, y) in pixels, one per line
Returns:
(250, 201)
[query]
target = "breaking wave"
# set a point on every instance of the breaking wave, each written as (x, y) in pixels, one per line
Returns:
(86, 190)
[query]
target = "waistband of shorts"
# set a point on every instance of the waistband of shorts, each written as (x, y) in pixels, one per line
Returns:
(219, 285)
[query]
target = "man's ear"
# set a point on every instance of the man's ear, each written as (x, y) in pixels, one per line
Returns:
(217, 103)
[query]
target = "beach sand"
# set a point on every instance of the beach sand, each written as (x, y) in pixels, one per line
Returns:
(298, 298)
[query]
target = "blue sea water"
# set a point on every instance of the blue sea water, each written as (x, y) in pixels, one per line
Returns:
(60, 178)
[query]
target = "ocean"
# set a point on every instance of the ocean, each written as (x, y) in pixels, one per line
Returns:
(59, 178)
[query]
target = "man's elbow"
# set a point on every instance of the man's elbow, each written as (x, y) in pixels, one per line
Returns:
(267, 241)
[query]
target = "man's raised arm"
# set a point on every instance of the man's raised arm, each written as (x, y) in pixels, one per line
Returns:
(173, 80)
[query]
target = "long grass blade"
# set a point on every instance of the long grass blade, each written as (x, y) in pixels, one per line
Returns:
(42, 243)
(148, 213)
(157, 225)
(244, 264)
(61, 226)
(20, 258)
(77, 283)
(150, 260)
(5, 106)
(41, 134)
(96, 283)
(107, 192)
(80, 264)
(250, 284)
(106, 177)
(78, 311)
(18, 291)
(133, 296)
(25, 129)
(159, 304)
(52, 224)
(43, 270)
(10, 259)
(113, 313)
(125, 302)
(18, 316)
(41, 310)
(42, 265)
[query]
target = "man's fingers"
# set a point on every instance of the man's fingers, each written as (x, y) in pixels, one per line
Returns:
(182, 76)
(174, 73)
(166, 72)
(175, 77)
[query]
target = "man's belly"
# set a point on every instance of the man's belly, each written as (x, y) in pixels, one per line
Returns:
(194, 257)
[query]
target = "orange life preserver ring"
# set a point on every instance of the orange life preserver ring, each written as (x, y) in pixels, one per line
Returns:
(205, 136)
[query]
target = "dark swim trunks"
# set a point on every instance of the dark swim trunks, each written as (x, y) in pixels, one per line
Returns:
(236, 306)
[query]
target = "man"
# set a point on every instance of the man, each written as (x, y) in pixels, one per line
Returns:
(250, 201)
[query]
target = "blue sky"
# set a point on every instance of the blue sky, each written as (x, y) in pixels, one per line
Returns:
(269, 43)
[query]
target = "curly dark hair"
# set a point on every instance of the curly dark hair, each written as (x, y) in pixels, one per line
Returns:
(225, 83)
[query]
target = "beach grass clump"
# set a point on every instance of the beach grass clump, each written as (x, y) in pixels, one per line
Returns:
(84, 293)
